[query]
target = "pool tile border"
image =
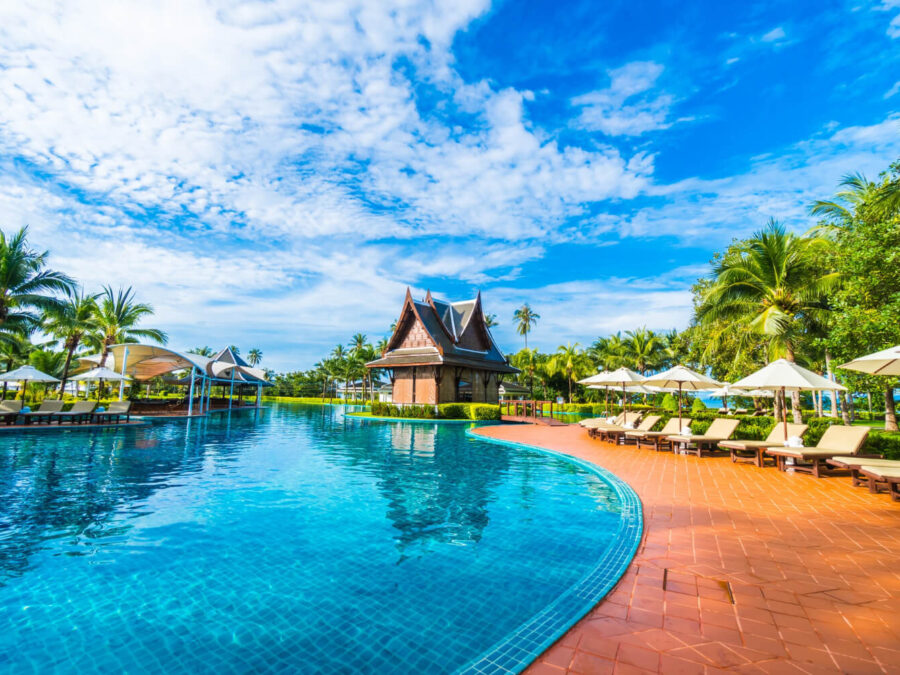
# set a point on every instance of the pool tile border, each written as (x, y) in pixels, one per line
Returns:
(520, 648)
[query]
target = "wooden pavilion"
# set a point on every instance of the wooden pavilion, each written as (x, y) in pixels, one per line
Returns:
(443, 352)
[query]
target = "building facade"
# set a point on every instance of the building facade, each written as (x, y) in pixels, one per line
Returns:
(443, 352)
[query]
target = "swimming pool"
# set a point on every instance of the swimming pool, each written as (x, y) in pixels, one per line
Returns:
(294, 540)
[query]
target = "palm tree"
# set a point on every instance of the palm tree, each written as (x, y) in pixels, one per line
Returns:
(254, 356)
(235, 349)
(608, 353)
(25, 283)
(70, 322)
(643, 349)
(202, 351)
(381, 346)
(568, 360)
(841, 210)
(117, 322)
(526, 360)
(526, 319)
(773, 284)
(14, 352)
(47, 361)
(490, 320)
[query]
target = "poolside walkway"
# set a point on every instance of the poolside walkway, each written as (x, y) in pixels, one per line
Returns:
(812, 566)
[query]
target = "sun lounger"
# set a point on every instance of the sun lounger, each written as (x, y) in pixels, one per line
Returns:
(720, 430)
(80, 412)
(624, 418)
(45, 410)
(658, 439)
(617, 434)
(853, 463)
(740, 411)
(882, 474)
(9, 410)
(755, 451)
(595, 422)
(722, 411)
(116, 411)
(837, 440)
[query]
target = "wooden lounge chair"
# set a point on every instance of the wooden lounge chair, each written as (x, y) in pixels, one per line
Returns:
(624, 418)
(116, 411)
(45, 410)
(595, 422)
(617, 434)
(9, 410)
(755, 451)
(853, 463)
(720, 430)
(659, 439)
(80, 412)
(883, 474)
(741, 411)
(837, 440)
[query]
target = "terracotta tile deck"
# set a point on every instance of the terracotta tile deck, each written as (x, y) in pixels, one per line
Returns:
(741, 570)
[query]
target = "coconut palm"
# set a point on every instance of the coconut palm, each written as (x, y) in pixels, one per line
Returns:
(526, 360)
(527, 319)
(570, 361)
(14, 352)
(202, 351)
(25, 283)
(47, 361)
(117, 322)
(254, 356)
(642, 349)
(70, 322)
(490, 320)
(773, 284)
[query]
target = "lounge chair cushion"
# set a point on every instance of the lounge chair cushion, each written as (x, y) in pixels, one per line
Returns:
(775, 438)
(670, 427)
(882, 471)
(720, 430)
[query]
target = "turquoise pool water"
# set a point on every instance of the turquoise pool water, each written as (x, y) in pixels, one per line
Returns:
(290, 540)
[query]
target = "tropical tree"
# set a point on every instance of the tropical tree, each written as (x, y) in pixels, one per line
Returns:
(642, 349)
(775, 285)
(526, 319)
(118, 322)
(608, 353)
(47, 361)
(14, 352)
(26, 284)
(254, 356)
(203, 351)
(235, 349)
(569, 360)
(490, 320)
(526, 360)
(70, 322)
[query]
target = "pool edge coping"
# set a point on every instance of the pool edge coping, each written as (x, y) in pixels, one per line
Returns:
(524, 645)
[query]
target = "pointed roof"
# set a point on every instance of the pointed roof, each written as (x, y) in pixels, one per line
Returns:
(455, 333)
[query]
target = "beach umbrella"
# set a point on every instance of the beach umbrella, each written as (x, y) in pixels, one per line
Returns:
(101, 374)
(684, 379)
(787, 376)
(597, 382)
(26, 374)
(885, 362)
(622, 377)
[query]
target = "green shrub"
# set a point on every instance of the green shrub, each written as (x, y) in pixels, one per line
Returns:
(697, 406)
(883, 443)
(483, 412)
(454, 411)
(669, 403)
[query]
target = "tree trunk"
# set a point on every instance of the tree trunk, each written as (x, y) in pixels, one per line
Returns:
(65, 372)
(890, 410)
(795, 407)
(851, 410)
(831, 395)
(570, 389)
(776, 405)
(842, 406)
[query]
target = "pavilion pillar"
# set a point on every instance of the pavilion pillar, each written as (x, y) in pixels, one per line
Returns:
(231, 390)
(208, 395)
(258, 395)
(122, 383)
(191, 395)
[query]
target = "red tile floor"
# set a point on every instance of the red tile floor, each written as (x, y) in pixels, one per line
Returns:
(741, 569)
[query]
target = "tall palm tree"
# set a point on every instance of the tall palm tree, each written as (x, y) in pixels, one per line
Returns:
(254, 356)
(526, 360)
(381, 346)
(117, 322)
(643, 349)
(568, 360)
(25, 283)
(203, 351)
(773, 284)
(490, 320)
(235, 349)
(70, 322)
(526, 319)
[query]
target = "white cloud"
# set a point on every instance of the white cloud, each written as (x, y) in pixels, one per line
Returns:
(775, 35)
(629, 106)
(893, 90)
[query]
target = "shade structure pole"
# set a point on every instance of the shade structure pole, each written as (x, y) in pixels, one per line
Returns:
(679, 407)
(191, 395)
(208, 395)
(784, 411)
(231, 390)
(624, 404)
(122, 383)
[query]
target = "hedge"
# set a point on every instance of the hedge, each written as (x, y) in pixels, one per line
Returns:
(449, 411)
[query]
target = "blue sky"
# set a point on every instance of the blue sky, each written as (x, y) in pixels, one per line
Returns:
(274, 174)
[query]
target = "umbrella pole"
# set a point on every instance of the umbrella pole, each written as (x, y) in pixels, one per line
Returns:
(624, 404)
(607, 400)
(784, 411)
(679, 407)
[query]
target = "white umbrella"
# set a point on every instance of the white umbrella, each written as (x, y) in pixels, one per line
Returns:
(885, 362)
(787, 376)
(617, 378)
(101, 374)
(684, 379)
(26, 374)
(598, 382)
